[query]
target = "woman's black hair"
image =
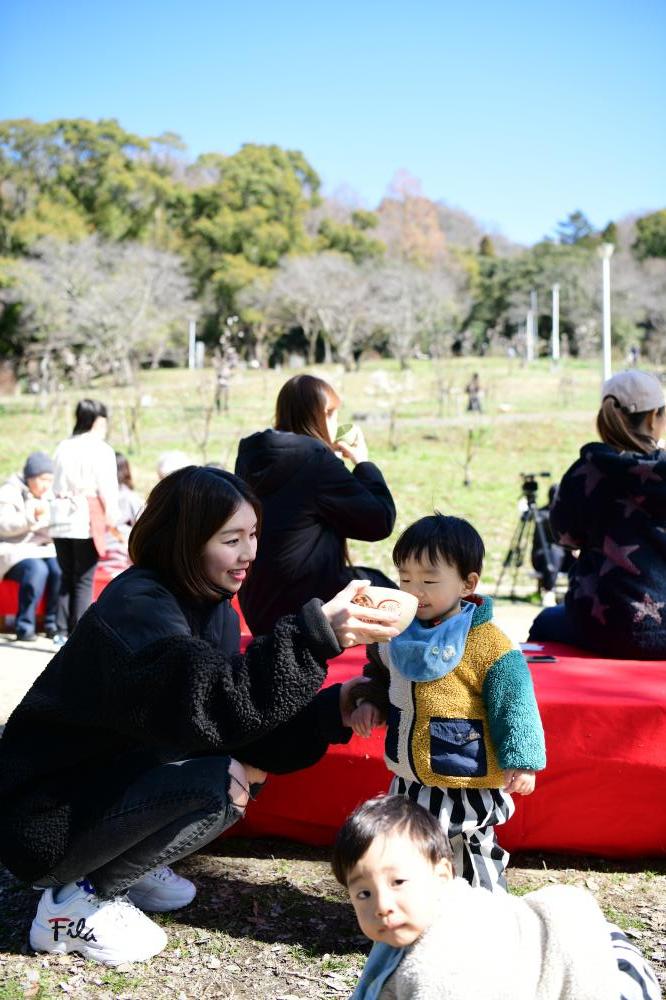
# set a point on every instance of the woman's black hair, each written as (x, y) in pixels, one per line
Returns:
(87, 412)
(384, 815)
(440, 536)
(183, 511)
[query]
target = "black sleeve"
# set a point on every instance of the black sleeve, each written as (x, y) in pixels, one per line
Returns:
(358, 504)
(303, 740)
(183, 696)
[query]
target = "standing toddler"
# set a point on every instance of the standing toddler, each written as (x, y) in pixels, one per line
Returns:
(464, 731)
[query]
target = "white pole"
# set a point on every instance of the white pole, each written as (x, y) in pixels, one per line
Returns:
(529, 336)
(555, 343)
(606, 252)
(535, 320)
(191, 356)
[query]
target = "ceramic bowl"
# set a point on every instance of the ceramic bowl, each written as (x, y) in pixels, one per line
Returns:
(388, 599)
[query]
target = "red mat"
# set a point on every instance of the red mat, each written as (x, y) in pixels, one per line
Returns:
(603, 792)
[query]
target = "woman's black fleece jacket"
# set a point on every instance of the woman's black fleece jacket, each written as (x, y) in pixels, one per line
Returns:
(311, 505)
(145, 679)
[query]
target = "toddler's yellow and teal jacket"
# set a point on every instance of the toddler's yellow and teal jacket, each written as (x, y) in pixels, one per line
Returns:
(461, 704)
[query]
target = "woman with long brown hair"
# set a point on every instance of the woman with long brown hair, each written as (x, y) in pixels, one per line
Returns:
(611, 506)
(144, 737)
(312, 503)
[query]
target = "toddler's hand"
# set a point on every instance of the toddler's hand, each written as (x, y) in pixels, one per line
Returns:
(364, 718)
(519, 781)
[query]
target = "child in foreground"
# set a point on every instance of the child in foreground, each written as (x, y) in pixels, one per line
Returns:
(436, 938)
(464, 730)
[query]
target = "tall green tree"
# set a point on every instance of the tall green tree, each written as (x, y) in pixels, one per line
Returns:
(575, 229)
(651, 235)
(73, 177)
(248, 215)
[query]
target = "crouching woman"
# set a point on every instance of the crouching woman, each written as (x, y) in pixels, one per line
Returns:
(145, 736)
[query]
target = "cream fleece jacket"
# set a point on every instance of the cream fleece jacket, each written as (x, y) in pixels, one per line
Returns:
(553, 944)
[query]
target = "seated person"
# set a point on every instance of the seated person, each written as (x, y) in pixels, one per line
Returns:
(437, 938)
(116, 557)
(611, 506)
(27, 554)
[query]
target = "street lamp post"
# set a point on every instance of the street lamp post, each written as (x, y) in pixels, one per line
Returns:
(606, 252)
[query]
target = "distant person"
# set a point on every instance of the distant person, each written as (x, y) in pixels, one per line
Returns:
(611, 505)
(463, 728)
(27, 553)
(311, 503)
(222, 383)
(130, 503)
(436, 938)
(474, 394)
(169, 461)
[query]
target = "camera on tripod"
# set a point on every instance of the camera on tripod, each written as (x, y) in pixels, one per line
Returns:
(530, 485)
(530, 524)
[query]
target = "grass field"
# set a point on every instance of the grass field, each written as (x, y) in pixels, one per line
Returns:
(535, 418)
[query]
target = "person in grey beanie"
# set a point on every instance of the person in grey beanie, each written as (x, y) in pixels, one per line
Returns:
(27, 553)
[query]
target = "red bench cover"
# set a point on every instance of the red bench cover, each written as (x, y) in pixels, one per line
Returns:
(9, 594)
(603, 791)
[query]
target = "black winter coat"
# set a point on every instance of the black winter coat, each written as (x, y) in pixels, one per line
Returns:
(612, 506)
(311, 504)
(145, 679)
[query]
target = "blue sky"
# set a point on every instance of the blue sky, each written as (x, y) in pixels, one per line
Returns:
(517, 112)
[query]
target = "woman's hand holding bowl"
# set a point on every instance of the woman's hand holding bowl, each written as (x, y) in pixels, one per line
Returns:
(350, 629)
(352, 445)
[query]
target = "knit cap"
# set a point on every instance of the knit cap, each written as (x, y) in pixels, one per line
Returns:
(37, 464)
(635, 391)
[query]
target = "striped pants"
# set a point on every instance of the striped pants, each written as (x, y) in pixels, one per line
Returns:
(637, 980)
(469, 817)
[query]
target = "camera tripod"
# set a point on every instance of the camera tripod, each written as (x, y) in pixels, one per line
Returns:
(520, 547)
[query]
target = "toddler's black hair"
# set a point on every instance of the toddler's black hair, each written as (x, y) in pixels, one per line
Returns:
(387, 814)
(440, 536)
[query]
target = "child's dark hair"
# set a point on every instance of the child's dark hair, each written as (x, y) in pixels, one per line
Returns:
(384, 815)
(440, 536)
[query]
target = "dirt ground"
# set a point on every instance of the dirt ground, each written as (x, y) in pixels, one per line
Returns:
(270, 923)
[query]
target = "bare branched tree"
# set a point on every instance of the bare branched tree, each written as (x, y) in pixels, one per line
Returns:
(94, 308)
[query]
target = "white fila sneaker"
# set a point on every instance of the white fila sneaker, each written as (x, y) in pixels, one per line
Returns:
(111, 931)
(162, 890)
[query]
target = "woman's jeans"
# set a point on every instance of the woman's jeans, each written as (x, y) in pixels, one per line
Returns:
(33, 577)
(78, 558)
(162, 816)
(554, 625)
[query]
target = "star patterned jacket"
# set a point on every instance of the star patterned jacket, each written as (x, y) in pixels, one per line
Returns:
(612, 506)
